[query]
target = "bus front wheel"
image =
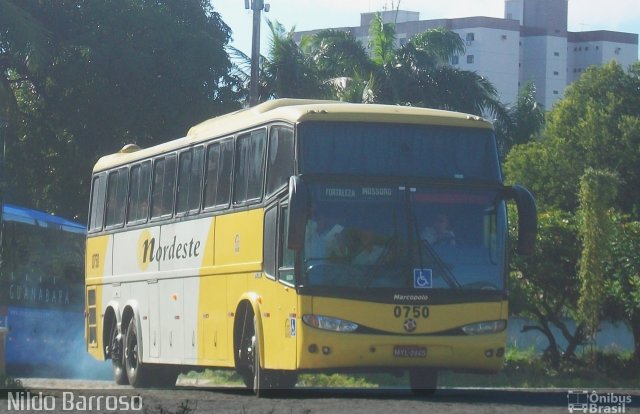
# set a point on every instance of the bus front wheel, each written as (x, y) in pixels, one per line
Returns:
(255, 377)
(423, 381)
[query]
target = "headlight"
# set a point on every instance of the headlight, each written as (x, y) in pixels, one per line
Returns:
(483, 328)
(329, 324)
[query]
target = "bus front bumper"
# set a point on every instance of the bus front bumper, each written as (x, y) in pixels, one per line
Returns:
(320, 349)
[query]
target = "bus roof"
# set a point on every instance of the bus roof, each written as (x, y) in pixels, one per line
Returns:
(294, 111)
(18, 214)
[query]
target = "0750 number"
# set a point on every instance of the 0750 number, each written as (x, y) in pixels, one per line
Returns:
(415, 311)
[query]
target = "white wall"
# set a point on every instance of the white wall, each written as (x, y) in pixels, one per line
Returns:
(544, 61)
(495, 56)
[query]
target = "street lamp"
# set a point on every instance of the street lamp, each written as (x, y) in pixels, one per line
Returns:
(257, 6)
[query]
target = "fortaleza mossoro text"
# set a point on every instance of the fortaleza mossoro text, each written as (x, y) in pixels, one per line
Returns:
(69, 401)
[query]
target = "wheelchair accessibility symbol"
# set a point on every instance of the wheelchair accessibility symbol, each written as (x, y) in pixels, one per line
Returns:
(422, 278)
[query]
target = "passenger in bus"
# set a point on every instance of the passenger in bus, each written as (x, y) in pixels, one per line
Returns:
(322, 238)
(370, 251)
(440, 232)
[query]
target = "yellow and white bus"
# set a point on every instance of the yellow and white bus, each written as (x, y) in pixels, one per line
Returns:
(304, 236)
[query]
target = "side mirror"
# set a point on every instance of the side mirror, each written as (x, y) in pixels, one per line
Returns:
(298, 205)
(527, 218)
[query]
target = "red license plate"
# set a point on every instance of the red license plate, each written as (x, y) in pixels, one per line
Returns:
(409, 351)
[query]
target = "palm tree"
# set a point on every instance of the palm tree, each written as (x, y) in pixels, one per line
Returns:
(336, 53)
(382, 39)
(289, 72)
(334, 64)
(527, 115)
(342, 63)
(417, 73)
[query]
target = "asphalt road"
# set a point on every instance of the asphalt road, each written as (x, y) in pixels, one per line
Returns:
(85, 396)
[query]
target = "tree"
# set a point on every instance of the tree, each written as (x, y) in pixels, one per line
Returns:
(25, 52)
(334, 64)
(545, 287)
(336, 53)
(418, 73)
(289, 72)
(596, 125)
(137, 71)
(342, 63)
(524, 120)
(382, 38)
(623, 284)
(597, 191)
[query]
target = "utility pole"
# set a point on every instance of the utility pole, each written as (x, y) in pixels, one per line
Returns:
(4, 126)
(254, 86)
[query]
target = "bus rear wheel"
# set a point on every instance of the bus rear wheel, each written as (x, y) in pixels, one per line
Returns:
(423, 381)
(136, 371)
(115, 352)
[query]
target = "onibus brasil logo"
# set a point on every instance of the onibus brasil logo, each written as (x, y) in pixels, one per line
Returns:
(594, 402)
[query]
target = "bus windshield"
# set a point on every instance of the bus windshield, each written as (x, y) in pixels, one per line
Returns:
(399, 150)
(404, 238)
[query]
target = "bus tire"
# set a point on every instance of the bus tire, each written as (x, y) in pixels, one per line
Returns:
(423, 381)
(136, 371)
(117, 356)
(256, 377)
(260, 381)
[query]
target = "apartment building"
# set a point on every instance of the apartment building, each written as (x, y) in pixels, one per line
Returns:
(531, 43)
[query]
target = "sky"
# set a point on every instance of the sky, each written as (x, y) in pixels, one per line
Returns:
(584, 15)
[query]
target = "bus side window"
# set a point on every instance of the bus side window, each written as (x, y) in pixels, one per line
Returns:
(195, 182)
(281, 159)
(116, 197)
(240, 170)
(255, 173)
(139, 193)
(217, 178)
(96, 216)
(286, 257)
(223, 193)
(164, 178)
(211, 175)
(189, 179)
(270, 241)
(247, 185)
(184, 174)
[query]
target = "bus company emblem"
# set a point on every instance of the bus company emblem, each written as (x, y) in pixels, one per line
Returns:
(410, 325)
(150, 249)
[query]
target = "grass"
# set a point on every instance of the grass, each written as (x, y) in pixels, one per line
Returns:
(215, 377)
(523, 369)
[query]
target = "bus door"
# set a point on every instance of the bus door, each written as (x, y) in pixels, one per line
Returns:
(279, 265)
